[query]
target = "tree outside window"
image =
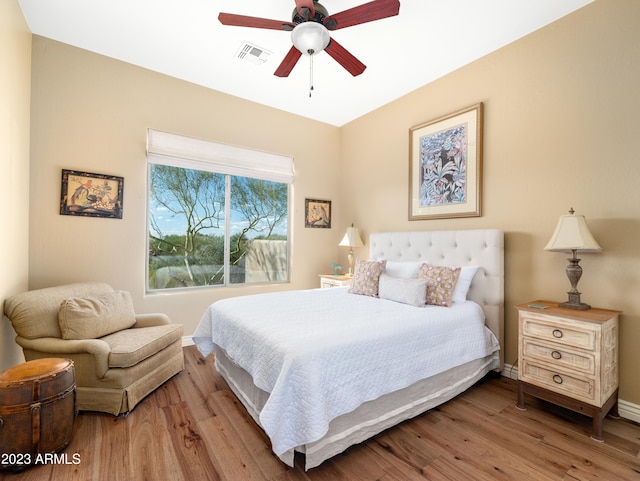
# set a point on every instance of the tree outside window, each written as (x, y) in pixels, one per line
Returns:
(212, 229)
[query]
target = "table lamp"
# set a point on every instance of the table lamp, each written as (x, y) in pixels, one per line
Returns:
(573, 235)
(351, 239)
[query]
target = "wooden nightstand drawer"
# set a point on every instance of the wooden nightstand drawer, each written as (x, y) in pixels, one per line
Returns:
(565, 332)
(578, 387)
(552, 355)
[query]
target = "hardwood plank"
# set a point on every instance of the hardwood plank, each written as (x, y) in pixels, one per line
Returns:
(237, 436)
(408, 446)
(191, 453)
(152, 444)
(193, 427)
(469, 452)
(569, 434)
(498, 447)
(368, 462)
(195, 383)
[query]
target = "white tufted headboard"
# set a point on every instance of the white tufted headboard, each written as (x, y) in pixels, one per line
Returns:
(481, 247)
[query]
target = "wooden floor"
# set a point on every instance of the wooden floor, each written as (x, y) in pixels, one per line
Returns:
(193, 428)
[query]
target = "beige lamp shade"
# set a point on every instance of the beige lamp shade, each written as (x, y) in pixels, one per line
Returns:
(572, 233)
(351, 238)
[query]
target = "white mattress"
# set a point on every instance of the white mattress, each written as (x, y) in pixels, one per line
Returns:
(323, 353)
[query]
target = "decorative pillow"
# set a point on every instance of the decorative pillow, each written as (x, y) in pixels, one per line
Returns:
(403, 269)
(407, 291)
(441, 281)
(464, 281)
(366, 277)
(94, 317)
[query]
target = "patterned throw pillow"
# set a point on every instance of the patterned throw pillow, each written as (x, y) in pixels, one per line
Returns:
(441, 281)
(366, 277)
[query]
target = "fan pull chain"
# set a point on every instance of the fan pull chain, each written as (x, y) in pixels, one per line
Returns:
(310, 74)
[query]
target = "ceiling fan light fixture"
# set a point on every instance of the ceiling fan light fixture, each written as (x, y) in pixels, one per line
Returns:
(310, 37)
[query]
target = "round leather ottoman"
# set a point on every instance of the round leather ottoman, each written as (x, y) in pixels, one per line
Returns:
(37, 410)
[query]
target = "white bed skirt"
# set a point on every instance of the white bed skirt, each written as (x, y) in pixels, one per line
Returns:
(371, 417)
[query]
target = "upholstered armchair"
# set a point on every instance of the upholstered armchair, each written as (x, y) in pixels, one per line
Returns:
(119, 356)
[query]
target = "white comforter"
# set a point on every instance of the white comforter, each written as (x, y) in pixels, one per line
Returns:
(321, 353)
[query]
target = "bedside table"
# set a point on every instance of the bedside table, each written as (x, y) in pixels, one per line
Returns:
(570, 358)
(334, 281)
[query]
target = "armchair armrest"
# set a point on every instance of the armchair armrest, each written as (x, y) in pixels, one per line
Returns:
(148, 320)
(55, 346)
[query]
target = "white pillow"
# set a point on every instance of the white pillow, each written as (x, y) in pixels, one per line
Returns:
(406, 291)
(403, 269)
(464, 281)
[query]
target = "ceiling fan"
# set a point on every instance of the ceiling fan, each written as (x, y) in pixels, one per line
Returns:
(310, 25)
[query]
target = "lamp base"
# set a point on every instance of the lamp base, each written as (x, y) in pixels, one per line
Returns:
(574, 302)
(582, 306)
(574, 273)
(351, 257)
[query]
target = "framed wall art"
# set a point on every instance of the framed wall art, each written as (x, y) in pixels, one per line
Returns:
(317, 213)
(445, 166)
(91, 195)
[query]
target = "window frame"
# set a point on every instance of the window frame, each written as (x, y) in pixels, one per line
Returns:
(192, 153)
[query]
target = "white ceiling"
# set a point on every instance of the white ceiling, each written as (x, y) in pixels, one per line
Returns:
(184, 39)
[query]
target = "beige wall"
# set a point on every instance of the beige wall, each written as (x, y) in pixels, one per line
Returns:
(561, 130)
(90, 113)
(15, 81)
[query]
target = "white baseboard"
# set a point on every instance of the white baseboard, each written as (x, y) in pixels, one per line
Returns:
(629, 410)
(626, 409)
(510, 371)
(187, 341)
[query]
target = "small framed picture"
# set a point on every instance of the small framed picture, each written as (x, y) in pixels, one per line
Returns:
(91, 195)
(317, 213)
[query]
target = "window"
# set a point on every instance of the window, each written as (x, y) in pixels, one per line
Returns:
(218, 215)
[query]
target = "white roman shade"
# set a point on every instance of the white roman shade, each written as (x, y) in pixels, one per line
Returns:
(191, 153)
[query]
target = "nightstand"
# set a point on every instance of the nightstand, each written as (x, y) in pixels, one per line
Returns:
(570, 358)
(334, 281)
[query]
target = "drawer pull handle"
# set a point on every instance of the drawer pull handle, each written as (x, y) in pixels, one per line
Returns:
(557, 379)
(556, 354)
(557, 333)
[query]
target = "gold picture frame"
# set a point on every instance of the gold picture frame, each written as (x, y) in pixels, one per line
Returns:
(445, 166)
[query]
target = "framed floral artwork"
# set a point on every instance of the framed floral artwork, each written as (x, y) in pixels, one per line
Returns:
(91, 195)
(445, 166)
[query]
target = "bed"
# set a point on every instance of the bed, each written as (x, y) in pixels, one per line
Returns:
(320, 377)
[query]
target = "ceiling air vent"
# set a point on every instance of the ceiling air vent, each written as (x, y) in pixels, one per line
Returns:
(252, 53)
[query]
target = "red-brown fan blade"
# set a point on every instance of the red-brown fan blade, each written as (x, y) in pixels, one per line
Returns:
(255, 22)
(344, 58)
(368, 12)
(308, 4)
(290, 60)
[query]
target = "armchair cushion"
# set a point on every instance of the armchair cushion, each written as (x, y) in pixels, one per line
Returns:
(131, 346)
(98, 316)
